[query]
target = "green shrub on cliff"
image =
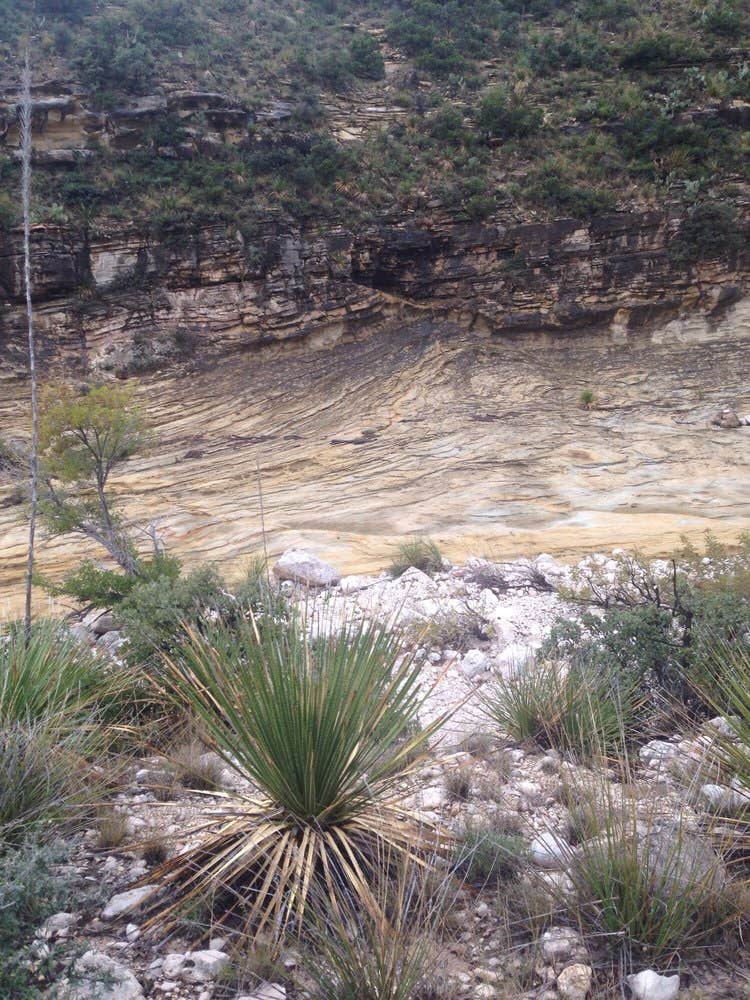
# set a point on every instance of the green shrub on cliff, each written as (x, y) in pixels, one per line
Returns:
(502, 115)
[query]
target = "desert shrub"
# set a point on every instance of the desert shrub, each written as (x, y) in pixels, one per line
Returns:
(722, 18)
(458, 783)
(502, 115)
(154, 613)
(94, 586)
(573, 50)
(9, 215)
(35, 882)
(582, 709)
(111, 59)
(489, 855)
(365, 58)
(552, 185)
(420, 553)
(319, 730)
(660, 50)
(710, 229)
(587, 399)
(447, 125)
(458, 629)
(659, 620)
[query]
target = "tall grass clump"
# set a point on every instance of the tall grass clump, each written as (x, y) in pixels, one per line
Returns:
(360, 956)
(579, 710)
(48, 672)
(725, 686)
(646, 882)
(327, 733)
(418, 553)
(51, 694)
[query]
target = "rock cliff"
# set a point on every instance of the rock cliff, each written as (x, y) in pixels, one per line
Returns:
(118, 300)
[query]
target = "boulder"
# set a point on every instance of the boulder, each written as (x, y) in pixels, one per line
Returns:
(574, 982)
(301, 566)
(548, 850)
(475, 662)
(203, 966)
(96, 976)
(649, 985)
(126, 902)
(727, 419)
(514, 658)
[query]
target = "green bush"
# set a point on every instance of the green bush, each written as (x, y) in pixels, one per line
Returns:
(659, 51)
(112, 59)
(489, 856)
(9, 215)
(365, 58)
(420, 553)
(551, 186)
(502, 115)
(710, 230)
(659, 622)
(35, 882)
(154, 613)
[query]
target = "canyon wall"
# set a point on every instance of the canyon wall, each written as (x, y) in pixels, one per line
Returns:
(118, 300)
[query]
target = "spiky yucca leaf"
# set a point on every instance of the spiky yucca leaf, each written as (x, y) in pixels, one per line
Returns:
(326, 732)
(48, 672)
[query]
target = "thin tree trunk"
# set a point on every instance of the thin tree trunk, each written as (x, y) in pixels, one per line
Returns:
(26, 200)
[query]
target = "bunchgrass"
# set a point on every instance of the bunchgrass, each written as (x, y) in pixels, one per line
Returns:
(319, 730)
(646, 881)
(489, 855)
(47, 673)
(360, 956)
(581, 711)
(417, 553)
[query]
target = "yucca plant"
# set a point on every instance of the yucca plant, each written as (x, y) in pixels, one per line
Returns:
(578, 710)
(47, 673)
(326, 734)
(53, 693)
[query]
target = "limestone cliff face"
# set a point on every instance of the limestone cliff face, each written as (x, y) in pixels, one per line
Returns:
(118, 300)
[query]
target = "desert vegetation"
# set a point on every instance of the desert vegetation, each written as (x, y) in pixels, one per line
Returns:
(274, 770)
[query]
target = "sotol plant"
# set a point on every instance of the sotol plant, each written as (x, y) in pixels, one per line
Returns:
(327, 733)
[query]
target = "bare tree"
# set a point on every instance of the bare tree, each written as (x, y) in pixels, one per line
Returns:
(26, 116)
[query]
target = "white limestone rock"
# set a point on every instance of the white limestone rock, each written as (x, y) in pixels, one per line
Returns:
(301, 566)
(649, 985)
(96, 976)
(127, 902)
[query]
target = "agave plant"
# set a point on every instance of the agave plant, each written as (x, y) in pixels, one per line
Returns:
(325, 735)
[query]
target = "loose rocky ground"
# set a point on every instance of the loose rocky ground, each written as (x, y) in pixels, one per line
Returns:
(468, 624)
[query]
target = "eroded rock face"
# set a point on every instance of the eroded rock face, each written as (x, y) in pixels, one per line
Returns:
(200, 294)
